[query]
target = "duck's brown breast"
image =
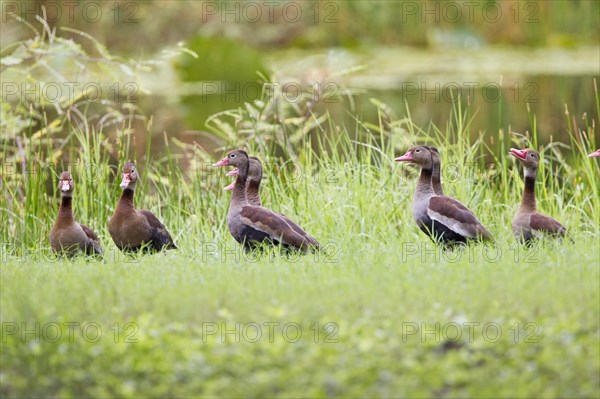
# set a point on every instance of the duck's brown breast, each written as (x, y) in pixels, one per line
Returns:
(68, 238)
(129, 228)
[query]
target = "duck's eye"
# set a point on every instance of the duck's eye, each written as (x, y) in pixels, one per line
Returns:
(231, 155)
(417, 150)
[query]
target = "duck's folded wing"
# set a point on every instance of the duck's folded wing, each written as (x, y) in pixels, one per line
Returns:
(546, 223)
(456, 217)
(299, 230)
(89, 232)
(93, 237)
(160, 235)
(274, 225)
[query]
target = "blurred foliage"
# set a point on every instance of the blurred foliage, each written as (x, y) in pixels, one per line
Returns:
(224, 73)
(221, 60)
(231, 49)
(49, 79)
(131, 27)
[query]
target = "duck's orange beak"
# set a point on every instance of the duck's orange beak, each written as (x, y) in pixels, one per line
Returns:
(405, 158)
(222, 162)
(595, 154)
(234, 172)
(521, 154)
(65, 185)
(126, 179)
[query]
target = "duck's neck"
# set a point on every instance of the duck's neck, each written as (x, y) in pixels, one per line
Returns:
(126, 200)
(528, 200)
(65, 212)
(424, 189)
(436, 183)
(238, 196)
(252, 193)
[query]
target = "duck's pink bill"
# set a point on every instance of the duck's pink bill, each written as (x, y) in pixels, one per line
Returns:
(232, 173)
(522, 154)
(222, 162)
(125, 182)
(229, 187)
(405, 157)
(595, 154)
(65, 186)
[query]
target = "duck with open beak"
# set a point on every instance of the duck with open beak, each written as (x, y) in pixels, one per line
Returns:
(250, 223)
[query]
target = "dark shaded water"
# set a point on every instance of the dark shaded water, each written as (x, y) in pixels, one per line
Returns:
(501, 89)
(541, 99)
(493, 107)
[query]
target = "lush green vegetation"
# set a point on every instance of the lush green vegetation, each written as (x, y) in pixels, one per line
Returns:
(126, 26)
(380, 312)
(373, 297)
(377, 292)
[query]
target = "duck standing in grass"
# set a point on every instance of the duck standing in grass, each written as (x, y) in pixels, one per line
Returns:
(251, 225)
(67, 236)
(255, 173)
(528, 223)
(442, 218)
(132, 230)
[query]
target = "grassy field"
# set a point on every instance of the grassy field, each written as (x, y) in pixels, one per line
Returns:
(369, 325)
(380, 312)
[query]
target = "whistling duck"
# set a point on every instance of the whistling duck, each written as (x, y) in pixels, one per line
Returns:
(253, 186)
(442, 218)
(251, 225)
(528, 223)
(132, 230)
(436, 181)
(67, 236)
(595, 153)
(253, 183)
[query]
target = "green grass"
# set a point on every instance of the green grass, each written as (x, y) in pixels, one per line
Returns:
(372, 298)
(378, 310)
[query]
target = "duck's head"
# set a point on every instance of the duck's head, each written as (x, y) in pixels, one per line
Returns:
(129, 176)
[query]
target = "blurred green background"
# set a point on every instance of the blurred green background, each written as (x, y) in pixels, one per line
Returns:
(516, 64)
